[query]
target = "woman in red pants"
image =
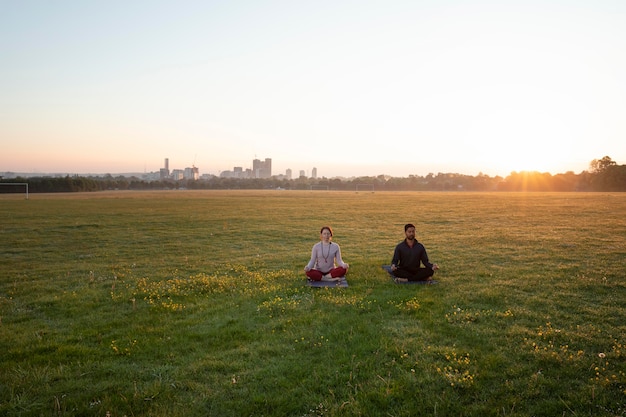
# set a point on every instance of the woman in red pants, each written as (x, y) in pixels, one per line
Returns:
(326, 263)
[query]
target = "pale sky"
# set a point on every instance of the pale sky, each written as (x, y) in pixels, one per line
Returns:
(353, 88)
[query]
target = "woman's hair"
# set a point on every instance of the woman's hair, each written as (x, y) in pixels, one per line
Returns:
(327, 228)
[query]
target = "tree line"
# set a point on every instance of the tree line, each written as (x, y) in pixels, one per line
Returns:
(603, 175)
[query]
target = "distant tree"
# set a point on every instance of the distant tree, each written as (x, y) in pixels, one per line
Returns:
(565, 182)
(600, 165)
(527, 181)
(611, 178)
(603, 175)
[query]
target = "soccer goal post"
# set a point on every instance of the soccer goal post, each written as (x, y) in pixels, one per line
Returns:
(19, 184)
(365, 187)
(319, 187)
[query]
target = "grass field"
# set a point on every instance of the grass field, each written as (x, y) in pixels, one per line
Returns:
(188, 303)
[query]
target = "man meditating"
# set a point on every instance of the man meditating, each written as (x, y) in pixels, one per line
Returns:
(408, 257)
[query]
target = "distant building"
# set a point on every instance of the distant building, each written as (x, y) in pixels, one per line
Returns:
(237, 172)
(178, 174)
(191, 173)
(262, 169)
(151, 176)
(288, 173)
(302, 173)
(314, 173)
(164, 172)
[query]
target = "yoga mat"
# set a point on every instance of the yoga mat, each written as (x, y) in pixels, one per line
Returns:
(319, 284)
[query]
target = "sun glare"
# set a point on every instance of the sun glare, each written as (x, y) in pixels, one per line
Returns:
(527, 157)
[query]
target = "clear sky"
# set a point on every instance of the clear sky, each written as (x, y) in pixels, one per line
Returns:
(350, 87)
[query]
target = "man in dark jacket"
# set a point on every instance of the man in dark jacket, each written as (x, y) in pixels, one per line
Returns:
(408, 257)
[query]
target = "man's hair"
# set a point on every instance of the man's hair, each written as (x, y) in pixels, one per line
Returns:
(407, 226)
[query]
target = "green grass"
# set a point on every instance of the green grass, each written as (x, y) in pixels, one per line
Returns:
(194, 304)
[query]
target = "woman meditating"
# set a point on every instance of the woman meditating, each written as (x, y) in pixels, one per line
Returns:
(326, 263)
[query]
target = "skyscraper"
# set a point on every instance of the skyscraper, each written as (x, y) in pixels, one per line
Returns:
(262, 169)
(165, 171)
(268, 167)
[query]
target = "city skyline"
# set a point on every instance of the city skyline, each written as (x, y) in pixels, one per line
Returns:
(259, 169)
(393, 88)
(195, 173)
(188, 172)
